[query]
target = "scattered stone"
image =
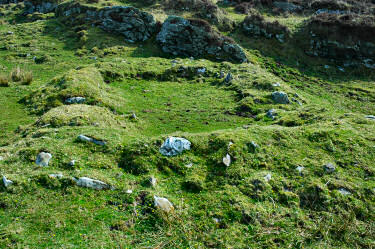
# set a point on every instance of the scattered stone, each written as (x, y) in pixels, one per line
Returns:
(372, 117)
(277, 84)
(164, 204)
(72, 163)
(58, 175)
(75, 100)
(271, 114)
(189, 165)
(6, 182)
(227, 160)
(268, 177)
(280, 98)
(341, 69)
(201, 70)
(329, 168)
(43, 159)
(174, 146)
(286, 6)
(228, 79)
(129, 191)
(153, 181)
(326, 66)
(1, 158)
(91, 183)
(134, 116)
(10, 33)
(216, 220)
(300, 169)
(344, 191)
(91, 140)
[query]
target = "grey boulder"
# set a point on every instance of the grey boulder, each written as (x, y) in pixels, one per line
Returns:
(174, 146)
(280, 98)
(43, 159)
(91, 183)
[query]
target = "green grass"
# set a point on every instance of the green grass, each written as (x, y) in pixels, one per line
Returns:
(215, 206)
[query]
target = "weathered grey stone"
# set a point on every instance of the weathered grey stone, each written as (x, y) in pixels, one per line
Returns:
(174, 146)
(40, 7)
(133, 24)
(43, 159)
(344, 191)
(6, 182)
(58, 175)
(300, 169)
(75, 100)
(271, 114)
(91, 183)
(180, 36)
(372, 117)
(280, 98)
(286, 6)
(163, 204)
(329, 168)
(153, 181)
(84, 138)
(268, 177)
(228, 79)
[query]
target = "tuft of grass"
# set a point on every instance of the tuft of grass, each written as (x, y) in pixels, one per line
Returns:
(21, 75)
(4, 81)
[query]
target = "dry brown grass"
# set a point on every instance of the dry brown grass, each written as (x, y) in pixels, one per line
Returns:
(4, 80)
(20, 75)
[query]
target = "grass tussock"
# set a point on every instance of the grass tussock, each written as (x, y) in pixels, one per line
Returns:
(21, 75)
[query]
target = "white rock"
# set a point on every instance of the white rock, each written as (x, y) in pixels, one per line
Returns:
(372, 117)
(7, 182)
(1, 158)
(277, 84)
(174, 146)
(72, 163)
(129, 191)
(227, 160)
(344, 191)
(91, 140)
(92, 183)
(189, 165)
(58, 175)
(153, 181)
(300, 169)
(163, 203)
(43, 159)
(268, 177)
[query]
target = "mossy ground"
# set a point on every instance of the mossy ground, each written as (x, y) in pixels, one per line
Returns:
(215, 206)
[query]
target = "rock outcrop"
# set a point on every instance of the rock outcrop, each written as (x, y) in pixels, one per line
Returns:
(344, 37)
(135, 25)
(40, 6)
(194, 37)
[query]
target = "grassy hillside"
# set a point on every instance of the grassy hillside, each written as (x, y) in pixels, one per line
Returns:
(277, 191)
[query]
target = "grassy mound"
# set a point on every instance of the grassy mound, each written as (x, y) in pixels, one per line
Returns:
(81, 115)
(85, 82)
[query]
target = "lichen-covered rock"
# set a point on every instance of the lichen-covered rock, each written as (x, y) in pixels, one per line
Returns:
(133, 24)
(43, 159)
(75, 100)
(280, 98)
(40, 6)
(91, 183)
(84, 138)
(163, 203)
(193, 37)
(174, 146)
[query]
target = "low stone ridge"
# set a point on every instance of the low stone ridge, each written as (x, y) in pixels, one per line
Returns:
(40, 6)
(193, 37)
(256, 25)
(135, 25)
(345, 37)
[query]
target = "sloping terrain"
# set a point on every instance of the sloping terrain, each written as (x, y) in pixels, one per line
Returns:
(278, 113)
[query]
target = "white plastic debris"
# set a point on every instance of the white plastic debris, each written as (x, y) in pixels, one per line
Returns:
(174, 146)
(163, 203)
